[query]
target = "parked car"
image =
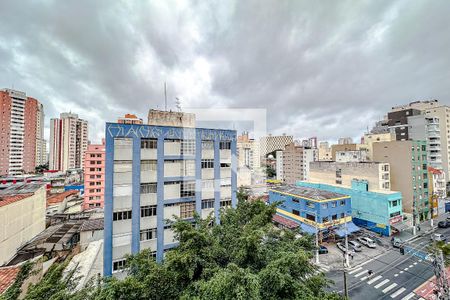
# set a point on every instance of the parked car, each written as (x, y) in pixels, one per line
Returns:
(355, 246)
(396, 242)
(323, 250)
(367, 242)
(444, 224)
(438, 237)
(341, 247)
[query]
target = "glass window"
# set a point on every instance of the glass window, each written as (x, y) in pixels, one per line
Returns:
(324, 205)
(149, 143)
(333, 204)
(334, 217)
(295, 212)
(225, 202)
(148, 188)
(295, 200)
(325, 219)
(148, 234)
(119, 265)
(148, 165)
(342, 202)
(148, 211)
(207, 203)
(187, 189)
(207, 145)
(187, 147)
(310, 204)
(122, 215)
(207, 163)
(187, 210)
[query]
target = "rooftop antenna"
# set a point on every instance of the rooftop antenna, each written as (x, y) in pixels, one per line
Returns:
(178, 103)
(165, 96)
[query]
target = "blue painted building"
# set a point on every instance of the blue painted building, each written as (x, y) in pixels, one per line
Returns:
(380, 212)
(314, 209)
(153, 173)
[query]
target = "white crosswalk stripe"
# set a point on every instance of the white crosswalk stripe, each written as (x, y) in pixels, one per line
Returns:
(381, 283)
(359, 274)
(409, 296)
(374, 279)
(389, 288)
(364, 278)
(355, 270)
(398, 292)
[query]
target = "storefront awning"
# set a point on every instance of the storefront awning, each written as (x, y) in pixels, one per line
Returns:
(285, 222)
(348, 228)
(308, 228)
(400, 226)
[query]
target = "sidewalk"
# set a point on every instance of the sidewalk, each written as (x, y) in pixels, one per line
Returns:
(425, 227)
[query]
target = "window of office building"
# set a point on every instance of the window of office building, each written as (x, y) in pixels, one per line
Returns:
(187, 189)
(225, 165)
(338, 173)
(342, 202)
(148, 165)
(122, 166)
(296, 212)
(207, 203)
(122, 215)
(333, 204)
(325, 219)
(225, 181)
(295, 200)
(149, 143)
(148, 188)
(334, 217)
(187, 210)
(225, 145)
(187, 147)
(207, 145)
(148, 234)
(310, 217)
(119, 265)
(310, 204)
(208, 184)
(207, 163)
(148, 211)
(225, 202)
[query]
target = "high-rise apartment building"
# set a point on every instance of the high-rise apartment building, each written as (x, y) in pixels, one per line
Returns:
(433, 108)
(21, 137)
(324, 152)
(272, 143)
(296, 160)
(153, 173)
(68, 142)
(409, 173)
(94, 176)
(345, 141)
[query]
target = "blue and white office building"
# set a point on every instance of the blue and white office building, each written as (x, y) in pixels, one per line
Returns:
(155, 172)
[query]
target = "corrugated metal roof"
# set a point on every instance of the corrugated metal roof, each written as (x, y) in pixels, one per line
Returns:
(307, 192)
(92, 224)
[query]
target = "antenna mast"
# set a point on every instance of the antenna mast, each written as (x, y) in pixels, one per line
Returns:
(165, 96)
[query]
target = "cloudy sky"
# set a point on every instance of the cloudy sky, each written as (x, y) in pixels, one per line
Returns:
(320, 68)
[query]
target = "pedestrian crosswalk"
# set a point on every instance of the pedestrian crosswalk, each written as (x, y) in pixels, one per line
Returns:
(385, 285)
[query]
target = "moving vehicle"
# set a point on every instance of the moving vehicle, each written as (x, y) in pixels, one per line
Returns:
(355, 246)
(438, 237)
(323, 250)
(367, 242)
(444, 224)
(396, 242)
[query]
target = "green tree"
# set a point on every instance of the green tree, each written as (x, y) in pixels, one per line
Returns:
(243, 257)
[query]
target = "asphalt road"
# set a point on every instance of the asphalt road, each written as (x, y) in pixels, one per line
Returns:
(395, 276)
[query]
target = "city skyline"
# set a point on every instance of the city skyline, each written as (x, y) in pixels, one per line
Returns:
(322, 68)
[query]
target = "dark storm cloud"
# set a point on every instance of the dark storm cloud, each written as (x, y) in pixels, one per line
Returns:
(327, 68)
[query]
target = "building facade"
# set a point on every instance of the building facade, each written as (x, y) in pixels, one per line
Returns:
(296, 160)
(68, 142)
(409, 173)
(342, 147)
(377, 175)
(314, 209)
(129, 119)
(324, 152)
(378, 211)
(94, 176)
(352, 156)
(156, 172)
(272, 143)
(22, 217)
(22, 144)
(371, 138)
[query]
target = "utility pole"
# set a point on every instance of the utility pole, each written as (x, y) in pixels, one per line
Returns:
(442, 288)
(317, 242)
(347, 262)
(414, 215)
(345, 281)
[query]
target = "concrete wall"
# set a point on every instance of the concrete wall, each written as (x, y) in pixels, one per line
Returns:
(21, 221)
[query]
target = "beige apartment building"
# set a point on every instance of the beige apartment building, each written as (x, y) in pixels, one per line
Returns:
(370, 138)
(342, 147)
(408, 166)
(376, 174)
(433, 108)
(22, 217)
(324, 151)
(296, 161)
(68, 142)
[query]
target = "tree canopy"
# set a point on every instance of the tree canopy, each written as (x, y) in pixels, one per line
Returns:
(243, 257)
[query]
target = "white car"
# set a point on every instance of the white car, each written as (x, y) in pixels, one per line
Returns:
(355, 246)
(340, 247)
(438, 237)
(367, 242)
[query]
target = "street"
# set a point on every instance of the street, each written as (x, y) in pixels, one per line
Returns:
(395, 276)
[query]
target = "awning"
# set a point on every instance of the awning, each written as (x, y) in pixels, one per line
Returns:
(308, 228)
(400, 226)
(348, 228)
(285, 222)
